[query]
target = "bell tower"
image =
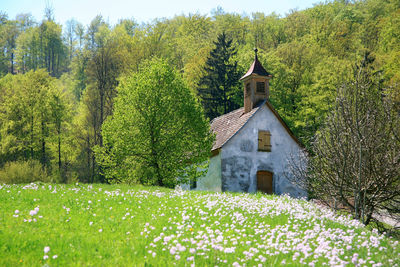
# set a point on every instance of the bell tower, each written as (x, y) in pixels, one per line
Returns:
(255, 84)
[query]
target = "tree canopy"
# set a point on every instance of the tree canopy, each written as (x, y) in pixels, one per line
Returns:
(157, 132)
(309, 52)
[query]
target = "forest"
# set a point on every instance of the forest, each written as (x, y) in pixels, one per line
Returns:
(58, 82)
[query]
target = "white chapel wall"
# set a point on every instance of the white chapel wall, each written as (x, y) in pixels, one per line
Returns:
(240, 158)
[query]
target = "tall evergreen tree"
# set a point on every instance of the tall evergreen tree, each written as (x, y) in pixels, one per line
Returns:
(219, 87)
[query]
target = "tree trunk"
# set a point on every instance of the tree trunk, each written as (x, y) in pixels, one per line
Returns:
(88, 154)
(59, 152)
(93, 168)
(12, 62)
(101, 114)
(31, 145)
(43, 156)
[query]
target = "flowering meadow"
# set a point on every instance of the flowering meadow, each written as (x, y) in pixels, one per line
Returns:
(104, 225)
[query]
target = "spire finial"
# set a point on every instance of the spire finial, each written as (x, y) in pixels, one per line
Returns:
(255, 52)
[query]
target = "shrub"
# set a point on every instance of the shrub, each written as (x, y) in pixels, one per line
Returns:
(23, 172)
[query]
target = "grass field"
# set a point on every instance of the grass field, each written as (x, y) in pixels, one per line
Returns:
(102, 225)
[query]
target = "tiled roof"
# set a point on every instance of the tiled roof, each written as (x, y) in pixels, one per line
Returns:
(227, 125)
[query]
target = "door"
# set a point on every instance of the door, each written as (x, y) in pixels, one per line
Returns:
(264, 182)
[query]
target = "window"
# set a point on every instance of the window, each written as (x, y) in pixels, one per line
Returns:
(260, 87)
(264, 141)
(248, 89)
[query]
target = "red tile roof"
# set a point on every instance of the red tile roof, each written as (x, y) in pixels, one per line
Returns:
(227, 125)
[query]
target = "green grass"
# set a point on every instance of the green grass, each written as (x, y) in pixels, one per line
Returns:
(103, 225)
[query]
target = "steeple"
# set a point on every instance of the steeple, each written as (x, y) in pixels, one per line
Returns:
(255, 84)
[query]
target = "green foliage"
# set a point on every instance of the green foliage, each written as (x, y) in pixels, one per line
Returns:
(157, 131)
(20, 172)
(41, 47)
(308, 52)
(219, 87)
(33, 116)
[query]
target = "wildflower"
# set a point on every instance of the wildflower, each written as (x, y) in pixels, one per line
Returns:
(16, 211)
(46, 249)
(354, 259)
(100, 230)
(33, 212)
(180, 247)
(55, 256)
(45, 257)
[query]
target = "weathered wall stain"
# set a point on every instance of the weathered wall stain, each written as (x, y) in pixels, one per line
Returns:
(235, 172)
(246, 145)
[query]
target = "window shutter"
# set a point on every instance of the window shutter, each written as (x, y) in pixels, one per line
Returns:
(267, 144)
(264, 141)
(260, 140)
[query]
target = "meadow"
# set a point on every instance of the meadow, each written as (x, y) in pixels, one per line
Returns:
(117, 225)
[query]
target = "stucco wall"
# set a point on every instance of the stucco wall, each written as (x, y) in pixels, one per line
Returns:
(240, 158)
(212, 181)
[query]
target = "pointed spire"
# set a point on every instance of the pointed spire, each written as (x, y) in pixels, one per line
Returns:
(256, 68)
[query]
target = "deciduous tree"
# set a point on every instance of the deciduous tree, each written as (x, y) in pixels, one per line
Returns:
(356, 156)
(157, 131)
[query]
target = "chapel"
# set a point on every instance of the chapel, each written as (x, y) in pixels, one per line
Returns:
(253, 144)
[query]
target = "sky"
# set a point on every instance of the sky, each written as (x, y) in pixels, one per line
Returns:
(144, 10)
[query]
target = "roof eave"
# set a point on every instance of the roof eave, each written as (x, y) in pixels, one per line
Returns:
(248, 76)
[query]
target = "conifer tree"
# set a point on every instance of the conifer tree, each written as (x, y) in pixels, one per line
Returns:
(219, 87)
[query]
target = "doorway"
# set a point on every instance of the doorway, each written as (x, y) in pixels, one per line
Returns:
(264, 182)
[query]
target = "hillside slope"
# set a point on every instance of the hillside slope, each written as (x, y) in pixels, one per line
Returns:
(95, 225)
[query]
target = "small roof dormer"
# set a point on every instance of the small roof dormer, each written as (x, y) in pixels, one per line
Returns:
(255, 84)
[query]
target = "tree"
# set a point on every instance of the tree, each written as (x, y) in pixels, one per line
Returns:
(70, 37)
(356, 160)
(157, 131)
(32, 115)
(219, 87)
(41, 47)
